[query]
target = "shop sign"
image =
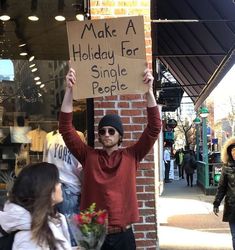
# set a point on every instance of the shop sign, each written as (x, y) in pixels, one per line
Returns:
(108, 55)
(214, 140)
(168, 135)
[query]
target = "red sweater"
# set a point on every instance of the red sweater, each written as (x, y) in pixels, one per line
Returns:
(110, 181)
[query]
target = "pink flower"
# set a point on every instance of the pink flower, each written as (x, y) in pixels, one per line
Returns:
(78, 218)
(101, 217)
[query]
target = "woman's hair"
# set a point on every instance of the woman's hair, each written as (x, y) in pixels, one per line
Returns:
(33, 190)
(229, 152)
(226, 156)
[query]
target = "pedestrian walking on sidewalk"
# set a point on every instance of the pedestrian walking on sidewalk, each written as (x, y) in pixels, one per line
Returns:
(188, 165)
(179, 156)
(226, 187)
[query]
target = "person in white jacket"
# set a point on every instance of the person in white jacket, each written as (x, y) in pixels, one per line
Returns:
(30, 210)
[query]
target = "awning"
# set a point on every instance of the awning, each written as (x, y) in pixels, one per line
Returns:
(195, 40)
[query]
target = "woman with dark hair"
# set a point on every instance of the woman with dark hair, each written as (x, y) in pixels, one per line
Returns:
(226, 187)
(30, 210)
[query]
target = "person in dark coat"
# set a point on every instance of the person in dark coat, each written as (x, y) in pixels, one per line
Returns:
(188, 165)
(226, 187)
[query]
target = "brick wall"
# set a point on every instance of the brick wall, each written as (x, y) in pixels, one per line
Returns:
(132, 109)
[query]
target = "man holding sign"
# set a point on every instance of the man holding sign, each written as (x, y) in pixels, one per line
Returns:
(110, 173)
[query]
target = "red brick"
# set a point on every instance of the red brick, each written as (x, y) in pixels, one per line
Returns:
(147, 211)
(146, 196)
(145, 243)
(110, 98)
(146, 165)
(127, 136)
(149, 219)
(105, 105)
(149, 173)
(131, 112)
(145, 181)
(98, 112)
(140, 203)
(123, 105)
(126, 120)
(139, 235)
(130, 97)
(149, 188)
(144, 227)
(140, 189)
(149, 203)
(141, 219)
(140, 104)
(139, 119)
(151, 235)
(133, 127)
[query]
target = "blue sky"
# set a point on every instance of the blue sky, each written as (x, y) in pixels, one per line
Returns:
(6, 68)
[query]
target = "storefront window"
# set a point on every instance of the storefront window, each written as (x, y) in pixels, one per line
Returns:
(30, 103)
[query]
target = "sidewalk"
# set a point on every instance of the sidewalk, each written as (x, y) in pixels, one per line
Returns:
(187, 221)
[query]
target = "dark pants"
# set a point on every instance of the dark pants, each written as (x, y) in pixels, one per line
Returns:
(189, 179)
(182, 168)
(167, 170)
(181, 174)
(120, 241)
(232, 229)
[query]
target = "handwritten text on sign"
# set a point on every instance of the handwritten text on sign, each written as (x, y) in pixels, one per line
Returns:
(108, 56)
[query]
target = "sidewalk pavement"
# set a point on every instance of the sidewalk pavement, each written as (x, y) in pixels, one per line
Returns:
(187, 220)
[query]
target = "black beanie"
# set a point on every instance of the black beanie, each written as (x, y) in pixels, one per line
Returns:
(112, 121)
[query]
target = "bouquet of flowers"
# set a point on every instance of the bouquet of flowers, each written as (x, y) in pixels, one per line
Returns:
(90, 227)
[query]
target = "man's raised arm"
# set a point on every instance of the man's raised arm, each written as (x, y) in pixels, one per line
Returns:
(67, 104)
(148, 79)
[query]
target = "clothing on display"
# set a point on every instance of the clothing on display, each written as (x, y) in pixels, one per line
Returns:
(4, 132)
(22, 158)
(19, 134)
(56, 152)
(37, 138)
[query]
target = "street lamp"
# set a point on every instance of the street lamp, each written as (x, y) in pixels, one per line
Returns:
(203, 112)
(197, 121)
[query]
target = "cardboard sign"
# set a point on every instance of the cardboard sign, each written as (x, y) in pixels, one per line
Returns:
(108, 55)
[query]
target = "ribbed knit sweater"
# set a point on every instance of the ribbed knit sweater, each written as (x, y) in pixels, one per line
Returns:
(110, 180)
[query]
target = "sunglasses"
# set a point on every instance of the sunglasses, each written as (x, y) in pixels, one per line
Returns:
(103, 131)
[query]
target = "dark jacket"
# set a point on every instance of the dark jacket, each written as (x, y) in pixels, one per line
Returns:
(188, 162)
(226, 186)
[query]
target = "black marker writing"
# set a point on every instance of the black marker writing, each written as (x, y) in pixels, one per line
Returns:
(90, 53)
(105, 33)
(113, 73)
